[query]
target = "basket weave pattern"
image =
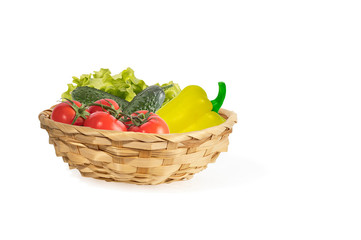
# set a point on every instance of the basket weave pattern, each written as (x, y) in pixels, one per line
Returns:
(138, 158)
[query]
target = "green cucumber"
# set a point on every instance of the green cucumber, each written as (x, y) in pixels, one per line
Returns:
(88, 95)
(150, 99)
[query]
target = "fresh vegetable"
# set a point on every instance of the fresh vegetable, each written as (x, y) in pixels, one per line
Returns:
(147, 122)
(171, 90)
(103, 102)
(123, 85)
(88, 95)
(192, 111)
(70, 112)
(103, 120)
(150, 99)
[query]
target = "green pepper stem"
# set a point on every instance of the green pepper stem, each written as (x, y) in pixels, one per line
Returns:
(218, 101)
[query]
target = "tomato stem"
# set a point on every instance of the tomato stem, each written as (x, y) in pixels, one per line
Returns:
(79, 111)
(135, 120)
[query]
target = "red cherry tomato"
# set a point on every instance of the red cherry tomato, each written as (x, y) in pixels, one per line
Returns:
(103, 120)
(154, 124)
(64, 112)
(106, 102)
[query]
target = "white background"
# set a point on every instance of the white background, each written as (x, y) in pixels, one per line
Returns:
(293, 74)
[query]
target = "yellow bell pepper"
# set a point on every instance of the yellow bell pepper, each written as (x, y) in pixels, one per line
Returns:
(191, 110)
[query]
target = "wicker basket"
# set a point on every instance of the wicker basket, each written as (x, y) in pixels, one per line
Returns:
(139, 158)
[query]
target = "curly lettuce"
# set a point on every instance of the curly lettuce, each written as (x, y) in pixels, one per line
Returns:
(171, 92)
(124, 85)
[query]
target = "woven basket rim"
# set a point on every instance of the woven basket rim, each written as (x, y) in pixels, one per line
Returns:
(231, 119)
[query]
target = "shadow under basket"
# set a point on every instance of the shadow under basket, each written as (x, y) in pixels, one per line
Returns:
(139, 158)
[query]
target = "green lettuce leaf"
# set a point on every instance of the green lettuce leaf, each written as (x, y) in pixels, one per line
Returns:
(66, 94)
(124, 84)
(171, 92)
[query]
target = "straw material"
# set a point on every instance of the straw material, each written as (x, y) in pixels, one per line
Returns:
(139, 158)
